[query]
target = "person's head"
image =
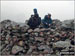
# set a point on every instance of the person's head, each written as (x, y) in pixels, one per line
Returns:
(46, 16)
(32, 15)
(35, 11)
(49, 15)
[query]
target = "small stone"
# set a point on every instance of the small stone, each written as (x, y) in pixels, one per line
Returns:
(39, 39)
(37, 30)
(34, 52)
(48, 32)
(43, 29)
(46, 52)
(52, 30)
(40, 54)
(6, 42)
(24, 51)
(14, 38)
(30, 30)
(36, 34)
(20, 43)
(41, 34)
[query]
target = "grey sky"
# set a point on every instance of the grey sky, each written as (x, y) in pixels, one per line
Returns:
(20, 11)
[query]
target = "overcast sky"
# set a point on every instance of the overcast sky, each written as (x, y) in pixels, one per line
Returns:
(20, 11)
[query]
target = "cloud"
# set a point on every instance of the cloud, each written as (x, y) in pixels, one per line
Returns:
(20, 11)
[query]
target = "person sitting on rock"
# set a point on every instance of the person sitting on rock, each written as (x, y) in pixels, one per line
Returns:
(47, 21)
(34, 20)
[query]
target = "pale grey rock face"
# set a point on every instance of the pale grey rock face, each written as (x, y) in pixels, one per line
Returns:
(68, 24)
(62, 44)
(16, 49)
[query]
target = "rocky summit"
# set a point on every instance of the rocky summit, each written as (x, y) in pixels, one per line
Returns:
(19, 39)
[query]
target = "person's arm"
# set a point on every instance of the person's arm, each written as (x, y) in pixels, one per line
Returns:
(39, 22)
(49, 24)
(51, 20)
(29, 22)
(44, 22)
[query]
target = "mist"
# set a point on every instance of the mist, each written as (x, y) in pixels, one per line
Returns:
(19, 11)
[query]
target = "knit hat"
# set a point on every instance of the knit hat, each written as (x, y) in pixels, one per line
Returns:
(35, 11)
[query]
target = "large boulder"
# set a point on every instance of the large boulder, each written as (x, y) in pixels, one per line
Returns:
(62, 44)
(12, 23)
(16, 49)
(57, 22)
(7, 23)
(68, 24)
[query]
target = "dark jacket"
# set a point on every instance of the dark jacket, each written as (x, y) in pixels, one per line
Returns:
(46, 20)
(34, 22)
